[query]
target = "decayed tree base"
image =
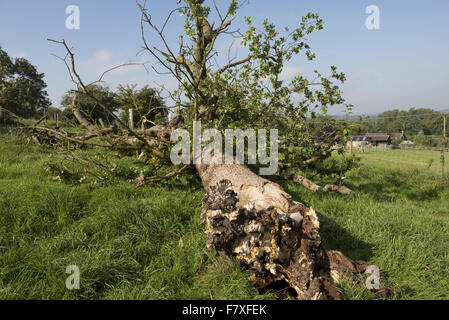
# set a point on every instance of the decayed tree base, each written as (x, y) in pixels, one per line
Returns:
(256, 221)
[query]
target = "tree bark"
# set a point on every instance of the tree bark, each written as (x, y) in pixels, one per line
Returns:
(257, 222)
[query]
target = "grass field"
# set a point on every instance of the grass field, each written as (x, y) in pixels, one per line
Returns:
(148, 243)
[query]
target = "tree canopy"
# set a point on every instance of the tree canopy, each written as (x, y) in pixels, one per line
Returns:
(22, 87)
(248, 92)
(413, 121)
(146, 104)
(90, 107)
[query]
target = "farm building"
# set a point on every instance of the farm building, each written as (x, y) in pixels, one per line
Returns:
(399, 136)
(382, 140)
(360, 141)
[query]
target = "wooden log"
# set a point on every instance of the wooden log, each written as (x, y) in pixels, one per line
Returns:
(257, 222)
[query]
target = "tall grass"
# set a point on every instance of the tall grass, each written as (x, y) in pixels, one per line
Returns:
(128, 243)
(148, 243)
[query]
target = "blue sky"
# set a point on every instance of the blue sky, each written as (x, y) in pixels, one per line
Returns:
(404, 64)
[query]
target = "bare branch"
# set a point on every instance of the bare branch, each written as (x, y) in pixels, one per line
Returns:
(234, 64)
(320, 156)
(115, 68)
(313, 186)
(144, 180)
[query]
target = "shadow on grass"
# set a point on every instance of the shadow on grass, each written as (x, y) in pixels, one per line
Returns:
(334, 236)
(337, 238)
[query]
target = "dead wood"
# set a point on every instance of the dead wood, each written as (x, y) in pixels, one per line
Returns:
(311, 185)
(257, 222)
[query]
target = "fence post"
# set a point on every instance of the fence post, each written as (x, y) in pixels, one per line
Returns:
(350, 146)
(131, 119)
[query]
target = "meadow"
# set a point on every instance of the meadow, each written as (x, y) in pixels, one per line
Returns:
(148, 243)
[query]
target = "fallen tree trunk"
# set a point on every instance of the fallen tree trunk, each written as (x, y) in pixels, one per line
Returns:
(256, 221)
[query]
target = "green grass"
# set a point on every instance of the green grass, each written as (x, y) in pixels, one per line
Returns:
(399, 220)
(148, 243)
(129, 243)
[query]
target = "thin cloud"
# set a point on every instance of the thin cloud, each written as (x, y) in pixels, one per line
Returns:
(104, 60)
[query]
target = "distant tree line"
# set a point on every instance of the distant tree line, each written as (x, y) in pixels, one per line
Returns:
(22, 91)
(416, 121)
